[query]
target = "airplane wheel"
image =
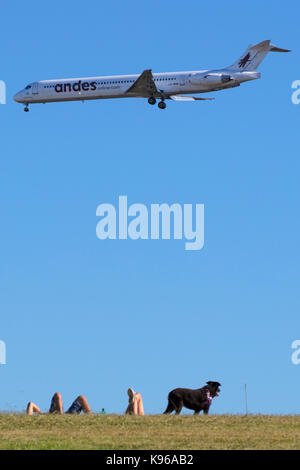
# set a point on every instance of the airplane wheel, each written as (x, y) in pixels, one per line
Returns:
(162, 105)
(151, 100)
(26, 109)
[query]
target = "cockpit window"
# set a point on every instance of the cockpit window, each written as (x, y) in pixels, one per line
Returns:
(28, 86)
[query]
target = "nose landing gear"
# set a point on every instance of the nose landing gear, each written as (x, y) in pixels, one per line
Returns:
(26, 109)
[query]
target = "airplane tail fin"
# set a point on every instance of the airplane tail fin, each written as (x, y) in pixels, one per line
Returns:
(254, 55)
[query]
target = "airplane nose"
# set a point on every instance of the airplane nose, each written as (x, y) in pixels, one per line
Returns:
(18, 97)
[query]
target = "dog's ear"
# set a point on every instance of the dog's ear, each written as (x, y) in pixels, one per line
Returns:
(216, 384)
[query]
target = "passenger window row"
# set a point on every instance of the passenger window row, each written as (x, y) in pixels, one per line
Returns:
(116, 82)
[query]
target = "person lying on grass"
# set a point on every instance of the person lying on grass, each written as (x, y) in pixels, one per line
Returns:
(56, 406)
(135, 406)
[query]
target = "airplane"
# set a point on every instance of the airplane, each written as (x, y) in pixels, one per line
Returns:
(176, 86)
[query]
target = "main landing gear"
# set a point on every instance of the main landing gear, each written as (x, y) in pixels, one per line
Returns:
(161, 104)
(26, 109)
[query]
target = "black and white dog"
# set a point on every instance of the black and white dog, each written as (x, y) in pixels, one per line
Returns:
(197, 400)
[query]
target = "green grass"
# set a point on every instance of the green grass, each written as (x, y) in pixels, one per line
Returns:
(149, 432)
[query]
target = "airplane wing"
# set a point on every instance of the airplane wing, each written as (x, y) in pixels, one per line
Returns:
(144, 85)
(188, 98)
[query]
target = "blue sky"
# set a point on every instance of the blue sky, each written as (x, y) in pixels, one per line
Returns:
(80, 315)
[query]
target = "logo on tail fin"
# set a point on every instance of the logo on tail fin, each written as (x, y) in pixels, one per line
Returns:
(244, 60)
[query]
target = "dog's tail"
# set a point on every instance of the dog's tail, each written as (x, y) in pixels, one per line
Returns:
(169, 408)
(171, 405)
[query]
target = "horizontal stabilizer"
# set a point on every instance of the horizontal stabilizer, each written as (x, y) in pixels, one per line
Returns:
(278, 49)
(188, 98)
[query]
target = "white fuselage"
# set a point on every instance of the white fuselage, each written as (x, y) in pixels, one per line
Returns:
(91, 88)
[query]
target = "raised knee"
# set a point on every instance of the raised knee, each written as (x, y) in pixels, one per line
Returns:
(29, 408)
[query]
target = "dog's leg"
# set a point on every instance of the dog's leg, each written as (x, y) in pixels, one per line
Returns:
(179, 408)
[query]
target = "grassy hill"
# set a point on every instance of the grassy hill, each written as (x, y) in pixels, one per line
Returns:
(149, 432)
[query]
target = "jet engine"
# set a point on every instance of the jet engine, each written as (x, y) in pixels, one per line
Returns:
(210, 78)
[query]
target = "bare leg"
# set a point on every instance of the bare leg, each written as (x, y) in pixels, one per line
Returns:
(139, 404)
(32, 408)
(84, 404)
(56, 404)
